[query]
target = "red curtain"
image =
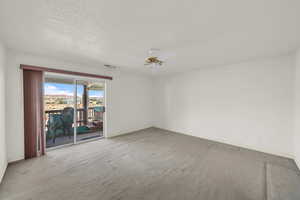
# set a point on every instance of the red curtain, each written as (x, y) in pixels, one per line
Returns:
(33, 113)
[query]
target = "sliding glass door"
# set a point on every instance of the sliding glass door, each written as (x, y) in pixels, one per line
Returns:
(74, 109)
(59, 110)
(90, 109)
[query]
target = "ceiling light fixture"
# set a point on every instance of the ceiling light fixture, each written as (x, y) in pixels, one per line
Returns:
(153, 59)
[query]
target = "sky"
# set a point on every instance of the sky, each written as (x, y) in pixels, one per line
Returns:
(68, 89)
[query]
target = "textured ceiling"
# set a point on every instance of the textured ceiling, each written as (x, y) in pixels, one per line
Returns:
(198, 33)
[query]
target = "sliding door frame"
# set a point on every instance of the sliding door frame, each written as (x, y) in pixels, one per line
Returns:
(76, 78)
(75, 111)
(75, 108)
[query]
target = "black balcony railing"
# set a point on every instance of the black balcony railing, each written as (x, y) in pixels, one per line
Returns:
(92, 115)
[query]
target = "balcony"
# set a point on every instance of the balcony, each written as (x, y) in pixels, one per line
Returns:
(59, 125)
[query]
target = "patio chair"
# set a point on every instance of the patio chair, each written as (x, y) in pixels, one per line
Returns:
(55, 126)
(68, 120)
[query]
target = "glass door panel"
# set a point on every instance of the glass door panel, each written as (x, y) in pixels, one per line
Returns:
(59, 110)
(89, 110)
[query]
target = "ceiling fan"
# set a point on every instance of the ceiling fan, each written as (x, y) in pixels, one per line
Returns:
(155, 58)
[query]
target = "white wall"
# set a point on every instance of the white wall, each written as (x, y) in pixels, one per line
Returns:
(297, 110)
(3, 159)
(129, 99)
(247, 104)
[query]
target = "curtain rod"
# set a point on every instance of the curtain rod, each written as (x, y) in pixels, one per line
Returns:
(46, 69)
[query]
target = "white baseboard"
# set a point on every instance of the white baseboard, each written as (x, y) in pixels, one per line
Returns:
(236, 144)
(297, 163)
(2, 172)
(16, 159)
(127, 132)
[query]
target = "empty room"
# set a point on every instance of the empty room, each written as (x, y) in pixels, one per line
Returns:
(153, 100)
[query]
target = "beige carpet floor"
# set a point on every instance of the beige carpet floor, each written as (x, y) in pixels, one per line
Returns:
(149, 164)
